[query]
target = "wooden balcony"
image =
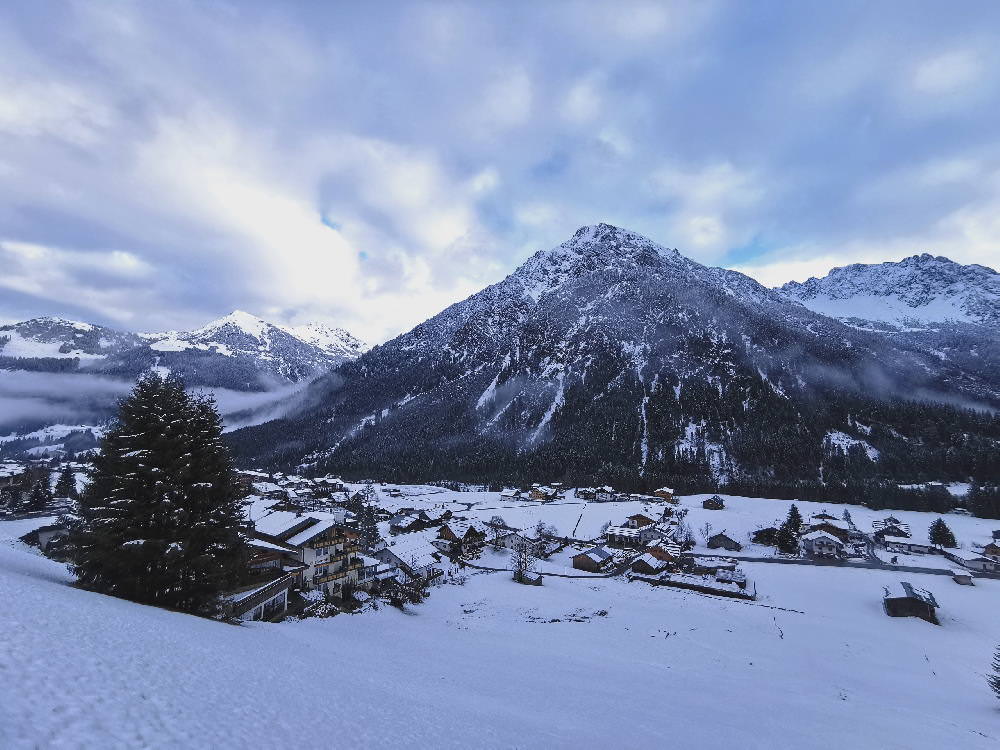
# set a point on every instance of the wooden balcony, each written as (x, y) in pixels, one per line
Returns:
(353, 565)
(330, 542)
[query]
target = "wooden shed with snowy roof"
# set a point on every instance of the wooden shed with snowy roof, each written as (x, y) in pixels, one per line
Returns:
(905, 600)
(594, 560)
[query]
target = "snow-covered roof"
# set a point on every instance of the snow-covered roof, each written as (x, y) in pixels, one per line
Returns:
(671, 549)
(597, 554)
(890, 522)
(278, 522)
(260, 543)
(964, 557)
(461, 528)
(666, 489)
(312, 532)
(652, 561)
(414, 550)
(622, 531)
(909, 591)
(820, 534)
(265, 487)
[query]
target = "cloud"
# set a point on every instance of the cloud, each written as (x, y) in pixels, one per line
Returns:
(103, 282)
(946, 73)
(368, 164)
(583, 101)
(506, 102)
(710, 203)
(33, 399)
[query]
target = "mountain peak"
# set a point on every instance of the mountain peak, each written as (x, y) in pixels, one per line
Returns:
(244, 321)
(921, 288)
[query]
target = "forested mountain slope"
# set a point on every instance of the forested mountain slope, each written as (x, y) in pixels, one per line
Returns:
(612, 359)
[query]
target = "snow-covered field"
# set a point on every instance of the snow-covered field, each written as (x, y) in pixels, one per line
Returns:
(814, 663)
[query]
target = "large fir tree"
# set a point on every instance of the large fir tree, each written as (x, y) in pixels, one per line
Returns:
(940, 535)
(160, 521)
(787, 538)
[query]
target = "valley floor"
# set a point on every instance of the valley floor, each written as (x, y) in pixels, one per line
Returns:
(814, 663)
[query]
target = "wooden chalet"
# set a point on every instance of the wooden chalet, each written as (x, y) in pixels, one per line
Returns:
(666, 493)
(595, 560)
(649, 565)
(666, 551)
(981, 563)
(822, 543)
(638, 520)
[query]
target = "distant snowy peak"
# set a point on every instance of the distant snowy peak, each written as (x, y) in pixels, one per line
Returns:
(334, 341)
(290, 348)
(58, 338)
(920, 289)
(240, 342)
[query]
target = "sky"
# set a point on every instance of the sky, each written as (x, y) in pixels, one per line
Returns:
(367, 164)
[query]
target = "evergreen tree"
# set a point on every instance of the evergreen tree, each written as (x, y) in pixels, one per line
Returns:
(847, 517)
(994, 679)
(160, 521)
(39, 498)
(368, 526)
(940, 534)
(787, 538)
(984, 501)
(794, 519)
(66, 484)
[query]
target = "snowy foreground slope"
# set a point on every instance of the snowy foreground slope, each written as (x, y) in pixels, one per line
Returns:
(486, 665)
(494, 664)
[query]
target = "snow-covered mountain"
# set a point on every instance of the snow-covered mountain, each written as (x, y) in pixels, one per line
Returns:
(56, 372)
(290, 353)
(918, 290)
(613, 359)
(221, 353)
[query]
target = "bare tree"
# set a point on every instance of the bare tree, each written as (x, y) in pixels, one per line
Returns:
(683, 535)
(706, 531)
(522, 558)
(497, 527)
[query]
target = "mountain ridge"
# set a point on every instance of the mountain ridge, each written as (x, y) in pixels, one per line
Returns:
(59, 372)
(611, 358)
(920, 289)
